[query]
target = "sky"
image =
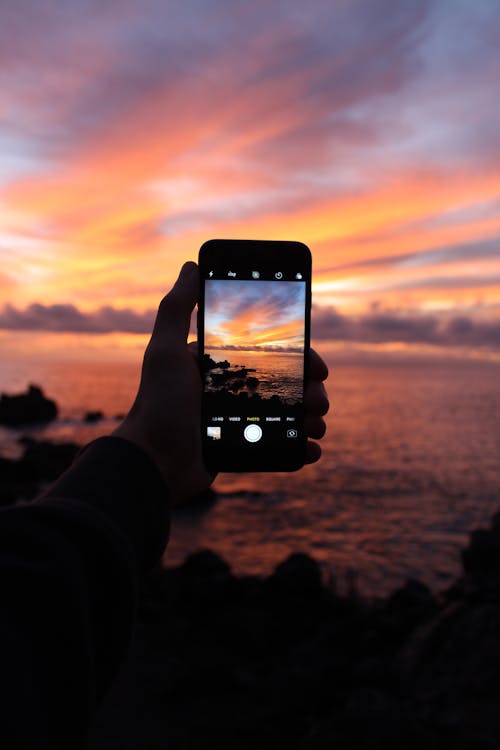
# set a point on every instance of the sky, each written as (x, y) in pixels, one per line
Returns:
(131, 132)
(258, 316)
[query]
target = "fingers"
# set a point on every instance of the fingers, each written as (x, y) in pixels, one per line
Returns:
(315, 427)
(313, 452)
(316, 405)
(316, 399)
(174, 314)
(317, 367)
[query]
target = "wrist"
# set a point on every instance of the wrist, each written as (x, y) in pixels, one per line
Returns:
(127, 431)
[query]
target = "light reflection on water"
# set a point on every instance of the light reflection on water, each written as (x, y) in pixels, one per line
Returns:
(410, 465)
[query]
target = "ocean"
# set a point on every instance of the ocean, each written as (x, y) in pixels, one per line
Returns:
(411, 464)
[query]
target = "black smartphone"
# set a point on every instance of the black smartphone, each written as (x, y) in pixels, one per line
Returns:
(253, 332)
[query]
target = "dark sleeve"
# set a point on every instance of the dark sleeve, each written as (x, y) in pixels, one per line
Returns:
(69, 570)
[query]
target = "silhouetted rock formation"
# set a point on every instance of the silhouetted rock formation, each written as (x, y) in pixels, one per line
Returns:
(93, 416)
(31, 407)
(285, 662)
(232, 378)
(210, 364)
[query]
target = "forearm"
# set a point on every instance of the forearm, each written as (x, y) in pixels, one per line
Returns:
(69, 570)
(115, 478)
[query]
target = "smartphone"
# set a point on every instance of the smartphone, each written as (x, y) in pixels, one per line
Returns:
(254, 314)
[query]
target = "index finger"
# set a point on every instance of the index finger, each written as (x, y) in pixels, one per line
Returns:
(317, 367)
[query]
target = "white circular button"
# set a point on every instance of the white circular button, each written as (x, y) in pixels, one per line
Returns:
(252, 433)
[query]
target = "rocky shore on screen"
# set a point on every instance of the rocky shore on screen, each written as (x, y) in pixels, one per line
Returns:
(231, 387)
(288, 662)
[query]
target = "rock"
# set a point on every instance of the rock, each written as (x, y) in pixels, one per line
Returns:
(495, 522)
(31, 407)
(210, 364)
(204, 564)
(482, 556)
(413, 597)
(298, 574)
(204, 579)
(452, 676)
(93, 416)
(282, 662)
(252, 384)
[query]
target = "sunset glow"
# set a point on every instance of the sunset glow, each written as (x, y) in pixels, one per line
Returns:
(254, 316)
(370, 130)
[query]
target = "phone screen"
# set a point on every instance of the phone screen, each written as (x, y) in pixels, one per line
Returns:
(255, 335)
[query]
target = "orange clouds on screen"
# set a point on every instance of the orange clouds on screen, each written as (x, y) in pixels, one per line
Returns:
(254, 315)
(236, 335)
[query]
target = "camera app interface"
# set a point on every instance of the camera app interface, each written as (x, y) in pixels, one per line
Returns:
(254, 359)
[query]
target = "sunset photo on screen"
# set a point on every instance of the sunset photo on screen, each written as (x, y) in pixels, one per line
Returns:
(254, 339)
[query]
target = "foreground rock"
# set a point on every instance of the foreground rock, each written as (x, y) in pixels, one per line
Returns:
(285, 662)
(93, 416)
(27, 408)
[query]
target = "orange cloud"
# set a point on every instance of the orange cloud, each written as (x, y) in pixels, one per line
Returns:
(238, 333)
(266, 126)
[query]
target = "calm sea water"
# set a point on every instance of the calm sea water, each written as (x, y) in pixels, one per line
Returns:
(411, 463)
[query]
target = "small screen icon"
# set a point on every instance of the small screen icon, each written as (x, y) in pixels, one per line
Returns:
(231, 273)
(278, 275)
(210, 274)
(214, 433)
(298, 276)
(291, 433)
(255, 275)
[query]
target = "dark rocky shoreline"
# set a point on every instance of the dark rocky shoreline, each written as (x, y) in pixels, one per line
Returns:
(231, 387)
(287, 662)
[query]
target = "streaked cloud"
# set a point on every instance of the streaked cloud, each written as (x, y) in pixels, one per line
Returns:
(65, 318)
(254, 315)
(382, 327)
(130, 133)
(328, 324)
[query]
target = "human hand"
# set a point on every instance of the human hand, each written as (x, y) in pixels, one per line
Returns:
(316, 405)
(165, 418)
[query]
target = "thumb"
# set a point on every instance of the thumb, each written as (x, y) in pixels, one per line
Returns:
(174, 313)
